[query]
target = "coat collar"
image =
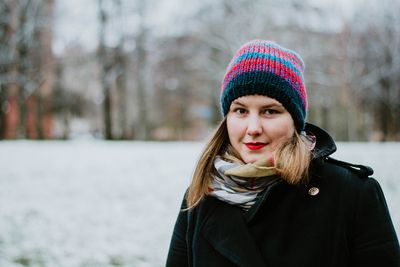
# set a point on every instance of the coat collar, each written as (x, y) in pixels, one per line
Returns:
(325, 145)
(226, 230)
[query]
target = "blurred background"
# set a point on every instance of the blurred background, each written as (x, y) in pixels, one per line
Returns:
(82, 72)
(151, 70)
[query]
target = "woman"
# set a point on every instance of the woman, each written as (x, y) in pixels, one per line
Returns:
(265, 191)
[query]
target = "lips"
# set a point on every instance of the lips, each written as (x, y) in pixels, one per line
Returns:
(255, 145)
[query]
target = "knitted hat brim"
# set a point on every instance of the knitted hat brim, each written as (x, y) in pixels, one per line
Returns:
(266, 84)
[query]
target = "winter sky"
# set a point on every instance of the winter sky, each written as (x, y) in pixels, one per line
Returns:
(76, 20)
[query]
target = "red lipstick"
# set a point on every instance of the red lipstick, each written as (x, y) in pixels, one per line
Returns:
(255, 145)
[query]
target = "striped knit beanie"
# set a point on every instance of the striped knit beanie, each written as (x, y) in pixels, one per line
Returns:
(265, 68)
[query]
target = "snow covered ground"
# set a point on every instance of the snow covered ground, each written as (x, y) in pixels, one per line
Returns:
(96, 203)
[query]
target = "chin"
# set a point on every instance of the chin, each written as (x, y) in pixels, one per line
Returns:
(250, 159)
(254, 158)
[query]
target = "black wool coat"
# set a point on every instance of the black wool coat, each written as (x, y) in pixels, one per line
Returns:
(340, 218)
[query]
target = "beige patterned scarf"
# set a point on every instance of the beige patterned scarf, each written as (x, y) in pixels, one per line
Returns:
(238, 183)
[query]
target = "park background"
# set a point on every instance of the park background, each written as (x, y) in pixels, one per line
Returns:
(81, 73)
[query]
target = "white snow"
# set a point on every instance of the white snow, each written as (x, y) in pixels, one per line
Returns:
(97, 203)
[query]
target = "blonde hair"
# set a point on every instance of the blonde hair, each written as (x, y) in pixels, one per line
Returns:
(292, 160)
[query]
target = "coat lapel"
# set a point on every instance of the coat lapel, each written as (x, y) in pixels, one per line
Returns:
(226, 230)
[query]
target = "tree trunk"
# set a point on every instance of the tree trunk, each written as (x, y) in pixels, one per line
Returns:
(143, 131)
(122, 92)
(47, 71)
(105, 68)
(9, 108)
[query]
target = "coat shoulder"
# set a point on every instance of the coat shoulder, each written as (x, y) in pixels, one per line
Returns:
(362, 171)
(343, 173)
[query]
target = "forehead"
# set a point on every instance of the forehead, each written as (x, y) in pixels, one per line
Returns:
(258, 100)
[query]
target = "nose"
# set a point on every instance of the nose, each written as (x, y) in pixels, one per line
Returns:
(254, 127)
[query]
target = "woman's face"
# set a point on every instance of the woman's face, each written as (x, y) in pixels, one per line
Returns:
(257, 125)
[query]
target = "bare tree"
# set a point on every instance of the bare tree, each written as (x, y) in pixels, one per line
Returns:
(121, 76)
(46, 68)
(376, 35)
(27, 69)
(9, 15)
(105, 65)
(143, 69)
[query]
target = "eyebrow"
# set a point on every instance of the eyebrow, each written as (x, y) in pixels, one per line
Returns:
(275, 104)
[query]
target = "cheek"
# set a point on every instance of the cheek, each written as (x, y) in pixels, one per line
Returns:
(230, 127)
(289, 130)
(234, 128)
(283, 130)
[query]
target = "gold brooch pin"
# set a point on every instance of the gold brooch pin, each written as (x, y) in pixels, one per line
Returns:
(313, 191)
